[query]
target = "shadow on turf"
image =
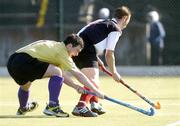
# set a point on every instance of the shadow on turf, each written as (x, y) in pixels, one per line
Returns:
(27, 116)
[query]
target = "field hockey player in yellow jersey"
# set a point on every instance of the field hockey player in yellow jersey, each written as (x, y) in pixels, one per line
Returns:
(47, 59)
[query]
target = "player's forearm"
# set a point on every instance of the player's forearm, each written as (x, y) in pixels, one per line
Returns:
(84, 80)
(110, 60)
(68, 81)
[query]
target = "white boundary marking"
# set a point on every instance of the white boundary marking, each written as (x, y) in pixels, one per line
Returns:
(177, 123)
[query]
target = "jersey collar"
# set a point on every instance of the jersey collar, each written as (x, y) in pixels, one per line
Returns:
(114, 20)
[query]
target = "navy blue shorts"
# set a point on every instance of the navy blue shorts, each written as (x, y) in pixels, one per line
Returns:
(86, 58)
(24, 68)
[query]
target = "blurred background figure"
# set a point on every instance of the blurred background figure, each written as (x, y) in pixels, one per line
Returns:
(155, 35)
(104, 13)
(86, 11)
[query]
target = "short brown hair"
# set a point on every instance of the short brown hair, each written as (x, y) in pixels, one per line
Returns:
(122, 11)
(75, 40)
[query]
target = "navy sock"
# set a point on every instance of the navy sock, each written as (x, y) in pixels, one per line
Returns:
(55, 84)
(23, 97)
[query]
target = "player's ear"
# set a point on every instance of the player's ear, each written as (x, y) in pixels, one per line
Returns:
(69, 45)
(124, 18)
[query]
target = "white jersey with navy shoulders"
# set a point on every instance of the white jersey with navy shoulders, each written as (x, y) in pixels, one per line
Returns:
(103, 34)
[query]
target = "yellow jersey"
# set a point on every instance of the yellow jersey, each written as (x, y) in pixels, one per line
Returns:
(51, 52)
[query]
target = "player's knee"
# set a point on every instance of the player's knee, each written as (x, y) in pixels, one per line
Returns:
(57, 71)
(53, 70)
(26, 86)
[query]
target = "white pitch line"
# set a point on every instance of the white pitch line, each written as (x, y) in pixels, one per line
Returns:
(177, 123)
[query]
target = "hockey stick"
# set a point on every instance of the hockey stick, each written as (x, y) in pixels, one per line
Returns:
(149, 112)
(156, 106)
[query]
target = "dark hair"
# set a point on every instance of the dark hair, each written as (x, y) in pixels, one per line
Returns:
(75, 40)
(122, 11)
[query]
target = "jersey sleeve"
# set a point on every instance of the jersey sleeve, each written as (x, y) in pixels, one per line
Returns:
(67, 64)
(112, 40)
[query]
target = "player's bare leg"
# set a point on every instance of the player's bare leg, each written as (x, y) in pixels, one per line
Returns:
(93, 75)
(94, 100)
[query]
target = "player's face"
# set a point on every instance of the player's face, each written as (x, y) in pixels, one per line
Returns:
(126, 20)
(75, 50)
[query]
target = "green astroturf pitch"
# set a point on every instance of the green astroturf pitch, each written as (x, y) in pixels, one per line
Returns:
(166, 90)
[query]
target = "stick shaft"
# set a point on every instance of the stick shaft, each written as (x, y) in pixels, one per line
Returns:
(134, 91)
(149, 113)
